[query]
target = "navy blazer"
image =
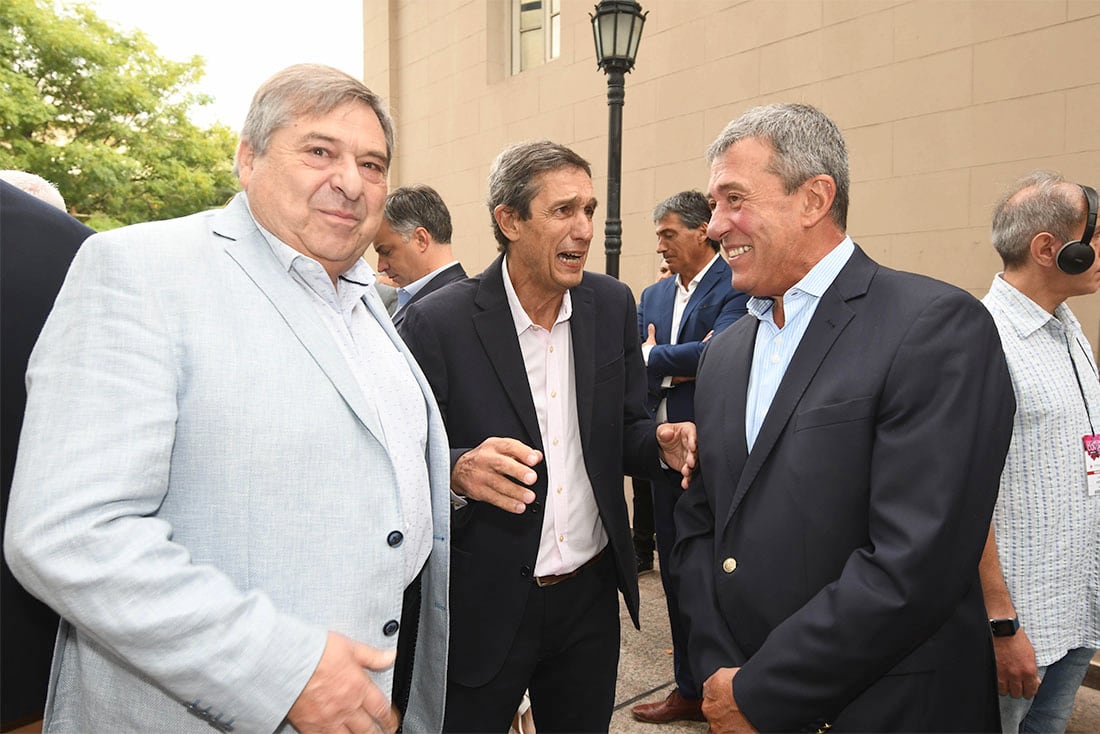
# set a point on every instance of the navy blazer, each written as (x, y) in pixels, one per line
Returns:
(837, 562)
(713, 306)
(39, 242)
(465, 340)
(451, 274)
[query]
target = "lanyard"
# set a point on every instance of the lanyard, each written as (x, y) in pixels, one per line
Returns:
(1081, 387)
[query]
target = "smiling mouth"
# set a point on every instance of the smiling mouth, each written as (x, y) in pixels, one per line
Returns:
(571, 257)
(732, 252)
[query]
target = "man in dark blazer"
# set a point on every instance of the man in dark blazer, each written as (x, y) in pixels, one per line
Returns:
(676, 317)
(853, 432)
(414, 245)
(537, 368)
(38, 243)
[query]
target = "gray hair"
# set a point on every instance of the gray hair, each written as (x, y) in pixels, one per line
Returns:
(410, 207)
(691, 206)
(1036, 202)
(806, 144)
(513, 177)
(305, 90)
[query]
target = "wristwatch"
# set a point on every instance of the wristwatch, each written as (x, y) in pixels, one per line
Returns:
(1004, 627)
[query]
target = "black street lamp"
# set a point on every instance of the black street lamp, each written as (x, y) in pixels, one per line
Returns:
(617, 30)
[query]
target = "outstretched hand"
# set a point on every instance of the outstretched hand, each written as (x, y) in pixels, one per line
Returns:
(490, 472)
(677, 444)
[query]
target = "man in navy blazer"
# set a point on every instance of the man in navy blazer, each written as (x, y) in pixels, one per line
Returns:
(413, 245)
(537, 369)
(39, 242)
(852, 435)
(676, 317)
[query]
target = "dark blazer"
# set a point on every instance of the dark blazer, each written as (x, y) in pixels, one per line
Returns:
(713, 306)
(837, 563)
(38, 243)
(451, 274)
(465, 340)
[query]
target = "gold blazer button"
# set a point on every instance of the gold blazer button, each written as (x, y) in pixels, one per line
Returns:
(729, 565)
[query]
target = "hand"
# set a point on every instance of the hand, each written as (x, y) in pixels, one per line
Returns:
(340, 696)
(486, 473)
(677, 444)
(719, 705)
(682, 380)
(708, 336)
(651, 340)
(1017, 673)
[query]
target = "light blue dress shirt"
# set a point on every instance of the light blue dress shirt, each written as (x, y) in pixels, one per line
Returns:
(775, 347)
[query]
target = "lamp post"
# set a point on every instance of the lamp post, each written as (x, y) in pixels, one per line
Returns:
(617, 31)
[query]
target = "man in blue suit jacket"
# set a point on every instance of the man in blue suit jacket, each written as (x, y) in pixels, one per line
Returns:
(676, 317)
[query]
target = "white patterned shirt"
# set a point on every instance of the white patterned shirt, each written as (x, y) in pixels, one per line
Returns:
(383, 374)
(1047, 527)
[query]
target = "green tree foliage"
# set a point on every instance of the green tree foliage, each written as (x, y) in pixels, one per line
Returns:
(101, 114)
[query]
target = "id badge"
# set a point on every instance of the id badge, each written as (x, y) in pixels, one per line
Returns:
(1092, 462)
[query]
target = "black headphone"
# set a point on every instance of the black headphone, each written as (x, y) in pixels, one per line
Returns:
(1076, 257)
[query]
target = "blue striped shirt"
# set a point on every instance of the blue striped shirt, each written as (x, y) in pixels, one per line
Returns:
(775, 347)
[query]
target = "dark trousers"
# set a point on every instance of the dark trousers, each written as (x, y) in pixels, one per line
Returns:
(566, 653)
(665, 496)
(643, 518)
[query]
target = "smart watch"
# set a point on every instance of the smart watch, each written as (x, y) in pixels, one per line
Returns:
(1004, 627)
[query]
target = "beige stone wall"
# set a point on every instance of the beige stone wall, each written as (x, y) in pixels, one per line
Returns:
(942, 104)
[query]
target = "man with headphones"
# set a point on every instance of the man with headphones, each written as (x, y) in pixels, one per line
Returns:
(1041, 566)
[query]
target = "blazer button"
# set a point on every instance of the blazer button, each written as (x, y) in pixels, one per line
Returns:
(729, 565)
(536, 507)
(395, 538)
(525, 571)
(389, 629)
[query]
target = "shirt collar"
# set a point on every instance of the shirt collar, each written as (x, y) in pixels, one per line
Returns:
(359, 276)
(815, 282)
(413, 288)
(691, 286)
(522, 321)
(1025, 315)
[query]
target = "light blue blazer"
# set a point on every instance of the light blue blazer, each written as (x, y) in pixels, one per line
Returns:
(203, 491)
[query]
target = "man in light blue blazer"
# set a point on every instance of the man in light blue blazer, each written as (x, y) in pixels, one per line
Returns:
(232, 480)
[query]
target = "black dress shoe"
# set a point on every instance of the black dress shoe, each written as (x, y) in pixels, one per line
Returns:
(644, 564)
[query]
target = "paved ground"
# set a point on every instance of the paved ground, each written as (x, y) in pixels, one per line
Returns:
(645, 672)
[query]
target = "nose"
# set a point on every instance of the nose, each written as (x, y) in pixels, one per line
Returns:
(661, 246)
(582, 227)
(346, 178)
(718, 227)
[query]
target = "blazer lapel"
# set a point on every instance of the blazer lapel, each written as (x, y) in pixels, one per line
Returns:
(733, 403)
(247, 246)
(829, 320)
(497, 331)
(582, 329)
(706, 285)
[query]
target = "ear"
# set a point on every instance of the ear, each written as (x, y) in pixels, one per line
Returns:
(818, 196)
(420, 239)
(701, 233)
(508, 221)
(245, 157)
(1044, 249)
